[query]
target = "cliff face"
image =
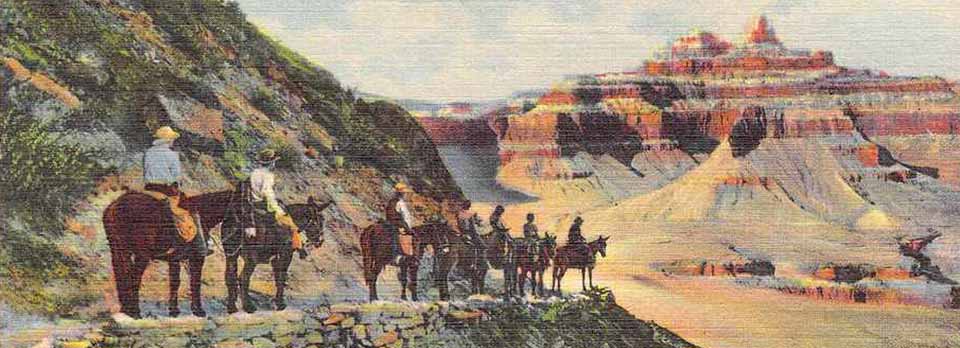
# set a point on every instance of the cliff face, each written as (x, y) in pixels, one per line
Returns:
(449, 131)
(629, 113)
(92, 79)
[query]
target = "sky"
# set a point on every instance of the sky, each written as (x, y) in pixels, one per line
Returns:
(481, 50)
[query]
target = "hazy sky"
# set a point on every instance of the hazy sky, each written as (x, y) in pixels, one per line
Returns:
(459, 50)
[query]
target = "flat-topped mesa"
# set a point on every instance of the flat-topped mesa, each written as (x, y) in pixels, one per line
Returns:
(705, 53)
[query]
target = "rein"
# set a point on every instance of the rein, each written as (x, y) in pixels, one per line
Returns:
(236, 221)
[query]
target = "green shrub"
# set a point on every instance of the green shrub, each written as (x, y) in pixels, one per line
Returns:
(38, 278)
(39, 175)
(287, 155)
(235, 161)
(269, 102)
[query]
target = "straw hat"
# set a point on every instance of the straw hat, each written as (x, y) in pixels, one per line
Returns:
(266, 156)
(166, 133)
(401, 187)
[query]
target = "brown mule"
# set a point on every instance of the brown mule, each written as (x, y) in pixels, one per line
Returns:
(140, 229)
(583, 258)
(533, 266)
(377, 254)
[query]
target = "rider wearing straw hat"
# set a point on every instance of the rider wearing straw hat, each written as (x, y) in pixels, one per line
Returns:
(398, 218)
(162, 175)
(262, 181)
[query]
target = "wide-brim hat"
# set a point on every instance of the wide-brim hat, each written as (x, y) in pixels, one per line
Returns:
(166, 133)
(578, 220)
(266, 156)
(401, 187)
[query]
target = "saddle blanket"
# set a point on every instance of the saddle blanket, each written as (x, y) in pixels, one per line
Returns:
(406, 244)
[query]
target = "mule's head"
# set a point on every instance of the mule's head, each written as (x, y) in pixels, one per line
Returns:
(549, 243)
(600, 245)
(313, 226)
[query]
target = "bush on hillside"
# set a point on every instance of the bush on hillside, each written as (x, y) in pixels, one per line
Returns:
(40, 175)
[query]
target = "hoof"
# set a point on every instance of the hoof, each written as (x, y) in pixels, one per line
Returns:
(279, 305)
(200, 313)
(249, 308)
(174, 313)
(231, 309)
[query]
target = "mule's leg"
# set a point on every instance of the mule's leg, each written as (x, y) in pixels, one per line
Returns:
(136, 276)
(230, 278)
(370, 274)
(280, 265)
(195, 267)
(554, 281)
(412, 269)
(121, 276)
(249, 265)
(482, 279)
(402, 278)
(440, 275)
(583, 276)
(173, 305)
(590, 274)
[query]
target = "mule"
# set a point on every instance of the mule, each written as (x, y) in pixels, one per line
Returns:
(500, 247)
(532, 266)
(469, 257)
(583, 258)
(269, 243)
(140, 229)
(377, 253)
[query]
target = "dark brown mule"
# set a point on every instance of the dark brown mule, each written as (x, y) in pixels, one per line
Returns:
(377, 253)
(269, 244)
(532, 266)
(500, 254)
(583, 258)
(470, 260)
(140, 228)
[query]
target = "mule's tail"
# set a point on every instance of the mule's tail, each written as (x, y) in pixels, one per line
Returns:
(120, 254)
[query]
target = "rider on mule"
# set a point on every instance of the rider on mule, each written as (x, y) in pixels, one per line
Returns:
(162, 175)
(264, 197)
(575, 237)
(530, 234)
(467, 223)
(499, 229)
(399, 219)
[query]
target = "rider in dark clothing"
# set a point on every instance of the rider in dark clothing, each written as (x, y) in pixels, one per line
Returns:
(530, 233)
(495, 222)
(499, 230)
(575, 237)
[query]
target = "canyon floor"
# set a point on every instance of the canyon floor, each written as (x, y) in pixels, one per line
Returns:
(686, 220)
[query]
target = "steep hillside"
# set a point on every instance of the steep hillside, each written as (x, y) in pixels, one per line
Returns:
(85, 83)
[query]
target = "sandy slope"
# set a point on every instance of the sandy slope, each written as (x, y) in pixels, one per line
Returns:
(805, 214)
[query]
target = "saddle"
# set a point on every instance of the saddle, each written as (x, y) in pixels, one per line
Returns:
(181, 217)
(406, 244)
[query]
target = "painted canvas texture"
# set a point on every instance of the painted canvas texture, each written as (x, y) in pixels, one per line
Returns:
(288, 173)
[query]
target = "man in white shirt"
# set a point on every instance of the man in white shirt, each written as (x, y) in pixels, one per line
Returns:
(262, 181)
(399, 219)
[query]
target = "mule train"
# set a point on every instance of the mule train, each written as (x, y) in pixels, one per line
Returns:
(161, 223)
